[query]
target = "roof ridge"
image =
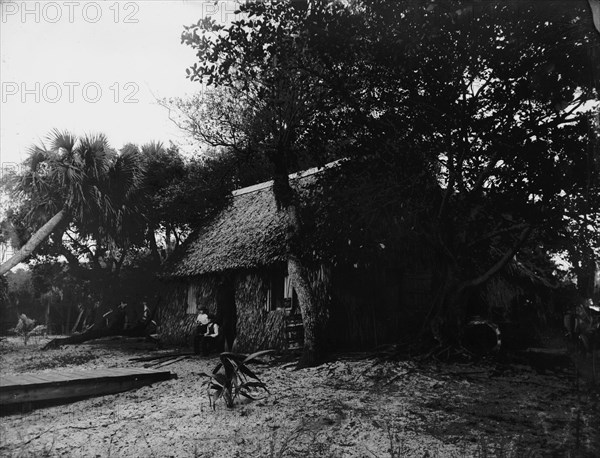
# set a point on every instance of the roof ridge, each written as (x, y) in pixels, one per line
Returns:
(292, 176)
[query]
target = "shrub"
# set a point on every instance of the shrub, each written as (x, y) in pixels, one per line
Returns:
(24, 326)
(232, 378)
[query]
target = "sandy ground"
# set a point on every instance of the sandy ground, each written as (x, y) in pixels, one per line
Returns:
(352, 407)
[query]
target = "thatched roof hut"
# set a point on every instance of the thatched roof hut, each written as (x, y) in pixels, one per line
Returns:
(245, 244)
(381, 277)
(247, 233)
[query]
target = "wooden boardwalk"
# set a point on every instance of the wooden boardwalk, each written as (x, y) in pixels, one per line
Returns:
(69, 384)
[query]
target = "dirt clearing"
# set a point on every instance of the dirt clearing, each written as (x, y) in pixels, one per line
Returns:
(352, 407)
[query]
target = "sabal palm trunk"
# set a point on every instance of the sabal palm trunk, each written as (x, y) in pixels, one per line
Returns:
(36, 239)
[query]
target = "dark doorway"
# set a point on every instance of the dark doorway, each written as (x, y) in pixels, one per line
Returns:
(226, 310)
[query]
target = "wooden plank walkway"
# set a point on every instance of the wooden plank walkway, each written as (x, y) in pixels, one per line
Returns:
(68, 384)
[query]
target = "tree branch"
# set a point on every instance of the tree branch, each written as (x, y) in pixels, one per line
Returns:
(491, 234)
(501, 262)
(85, 248)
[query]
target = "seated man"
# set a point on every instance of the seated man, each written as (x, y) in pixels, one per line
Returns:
(211, 339)
(207, 336)
(202, 321)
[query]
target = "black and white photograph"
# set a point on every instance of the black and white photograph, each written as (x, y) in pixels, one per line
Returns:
(300, 228)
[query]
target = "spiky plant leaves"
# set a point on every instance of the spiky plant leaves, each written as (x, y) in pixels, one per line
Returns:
(229, 379)
(229, 398)
(220, 379)
(251, 390)
(229, 366)
(238, 357)
(247, 371)
(258, 354)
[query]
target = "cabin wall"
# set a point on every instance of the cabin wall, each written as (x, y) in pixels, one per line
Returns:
(366, 309)
(175, 325)
(257, 328)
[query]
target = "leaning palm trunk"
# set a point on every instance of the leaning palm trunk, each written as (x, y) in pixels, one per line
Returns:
(36, 240)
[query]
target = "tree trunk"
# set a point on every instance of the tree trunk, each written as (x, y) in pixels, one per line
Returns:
(76, 325)
(447, 314)
(68, 320)
(447, 324)
(36, 239)
(309, 307)
(286, 200)
(153, 246)
(48, 300)
(312, 353)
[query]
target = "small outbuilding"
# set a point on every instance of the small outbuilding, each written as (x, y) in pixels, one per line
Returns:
(235, 266)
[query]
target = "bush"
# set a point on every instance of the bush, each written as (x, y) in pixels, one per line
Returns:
(232, 378)
(24, 327)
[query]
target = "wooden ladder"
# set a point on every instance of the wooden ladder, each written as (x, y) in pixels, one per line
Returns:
(294, 332)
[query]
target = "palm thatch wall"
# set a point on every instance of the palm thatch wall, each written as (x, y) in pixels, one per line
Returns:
(257, 328)
(175, 325)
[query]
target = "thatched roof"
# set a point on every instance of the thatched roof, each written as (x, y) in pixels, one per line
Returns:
(248, 233)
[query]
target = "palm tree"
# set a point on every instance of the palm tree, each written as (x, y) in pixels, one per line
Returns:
(77, 182)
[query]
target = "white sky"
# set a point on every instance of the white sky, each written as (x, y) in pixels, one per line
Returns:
(128, 50)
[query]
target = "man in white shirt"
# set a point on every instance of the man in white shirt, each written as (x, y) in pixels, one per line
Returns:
(207, 334)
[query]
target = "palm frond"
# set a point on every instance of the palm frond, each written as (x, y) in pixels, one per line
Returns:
(36, 155)
(58, 140)
(153, 148)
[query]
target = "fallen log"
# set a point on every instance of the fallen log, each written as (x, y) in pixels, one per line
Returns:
(116, 328)
(92, 334)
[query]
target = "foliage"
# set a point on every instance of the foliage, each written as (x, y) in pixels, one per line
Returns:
(24, 327)
(475, 114)
(183, 192)
(263, 66)
(97, 189)
(20, 297)
(232, 378)
(579, 239)
(3, 305)
(125, 212)
(583, 325)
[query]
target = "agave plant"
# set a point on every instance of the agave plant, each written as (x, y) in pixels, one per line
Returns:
(24, 327)
(232, 378)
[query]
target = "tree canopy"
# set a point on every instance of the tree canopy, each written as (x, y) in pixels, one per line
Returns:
(477, 113)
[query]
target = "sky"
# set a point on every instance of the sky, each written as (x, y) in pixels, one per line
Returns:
(94, 67)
